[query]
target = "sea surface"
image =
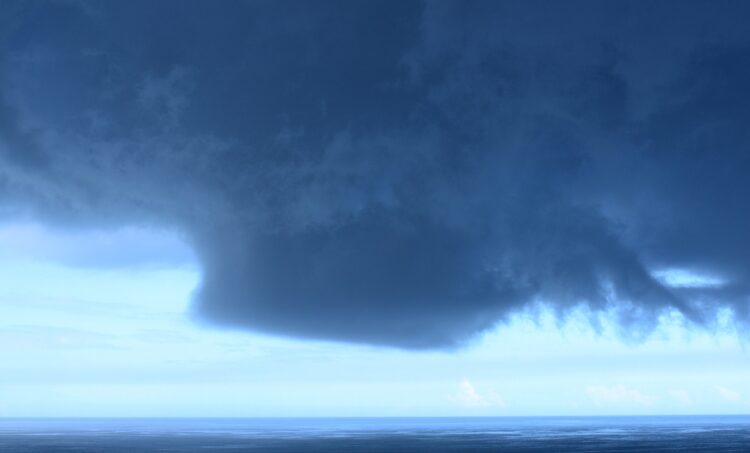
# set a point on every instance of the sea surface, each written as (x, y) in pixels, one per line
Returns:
(511, 434)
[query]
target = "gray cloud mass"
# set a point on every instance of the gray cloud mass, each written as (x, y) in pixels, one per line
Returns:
(396, 173)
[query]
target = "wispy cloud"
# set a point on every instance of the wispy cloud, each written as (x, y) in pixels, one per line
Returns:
(30, 337)
(123, 247)
(681, 396)
(728, 394)
(469, 396)
(618, 395)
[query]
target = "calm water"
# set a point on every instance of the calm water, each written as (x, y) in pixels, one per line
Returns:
(514, 434)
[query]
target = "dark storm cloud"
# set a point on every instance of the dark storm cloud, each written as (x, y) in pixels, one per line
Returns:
(396, 173)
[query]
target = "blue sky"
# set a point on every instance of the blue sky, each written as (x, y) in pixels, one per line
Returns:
(96, 323)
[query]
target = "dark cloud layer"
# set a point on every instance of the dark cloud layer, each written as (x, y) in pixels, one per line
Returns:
(396, 173)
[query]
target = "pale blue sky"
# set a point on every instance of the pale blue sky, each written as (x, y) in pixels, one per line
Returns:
(98, 324)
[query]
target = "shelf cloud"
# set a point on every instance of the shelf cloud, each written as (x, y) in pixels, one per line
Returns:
(396, 173)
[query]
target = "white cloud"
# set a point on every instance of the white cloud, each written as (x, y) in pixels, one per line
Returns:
(618, 394)
(684, 278)
(728, 394)
(681, 396)
(468, 396)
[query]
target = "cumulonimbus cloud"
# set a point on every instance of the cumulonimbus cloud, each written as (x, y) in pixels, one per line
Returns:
(395, 173)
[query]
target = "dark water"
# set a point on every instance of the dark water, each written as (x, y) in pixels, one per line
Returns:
(512, 434)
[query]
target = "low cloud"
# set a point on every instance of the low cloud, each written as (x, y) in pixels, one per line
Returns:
(681, 396)
(469, 397)
(618, 395)
(110, 248)
(728, 394)
(395, 173)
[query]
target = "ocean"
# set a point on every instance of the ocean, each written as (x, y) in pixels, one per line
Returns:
(509, 434)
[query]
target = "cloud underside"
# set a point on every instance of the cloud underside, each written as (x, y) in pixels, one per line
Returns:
(396, 173)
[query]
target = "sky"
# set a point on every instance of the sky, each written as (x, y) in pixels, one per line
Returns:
(385, 207)
(118, 340)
